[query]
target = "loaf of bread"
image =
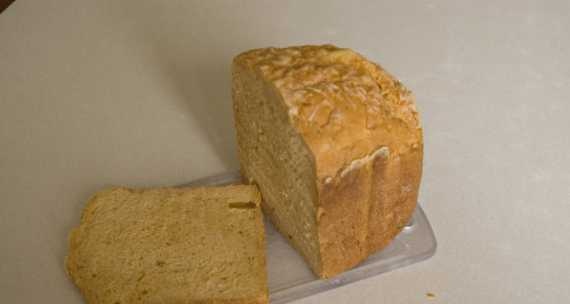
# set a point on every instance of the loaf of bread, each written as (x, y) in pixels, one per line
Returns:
(170, 245)
(335, 145)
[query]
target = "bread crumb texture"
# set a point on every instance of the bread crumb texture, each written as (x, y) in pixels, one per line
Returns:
(170, 245)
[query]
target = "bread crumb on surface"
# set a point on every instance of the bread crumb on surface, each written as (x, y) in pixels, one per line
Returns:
(430, 295)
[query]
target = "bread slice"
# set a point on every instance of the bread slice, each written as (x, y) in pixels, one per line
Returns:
(335, 145)
(170, 245)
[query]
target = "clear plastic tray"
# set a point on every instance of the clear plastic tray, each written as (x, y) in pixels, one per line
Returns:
(290, 278)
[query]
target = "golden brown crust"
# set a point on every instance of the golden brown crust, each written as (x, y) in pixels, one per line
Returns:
(363, 131)
(339, 102)
(342, 219)
(364, 210)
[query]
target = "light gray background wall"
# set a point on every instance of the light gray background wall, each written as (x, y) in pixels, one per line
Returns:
(94, 93)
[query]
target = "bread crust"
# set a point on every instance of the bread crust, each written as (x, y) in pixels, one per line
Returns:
(362, 128)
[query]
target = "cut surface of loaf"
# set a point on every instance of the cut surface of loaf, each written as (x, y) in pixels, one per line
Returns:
(335, 145)
(170, 245)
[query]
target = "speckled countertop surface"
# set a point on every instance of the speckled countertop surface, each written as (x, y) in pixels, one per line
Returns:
(94, 93)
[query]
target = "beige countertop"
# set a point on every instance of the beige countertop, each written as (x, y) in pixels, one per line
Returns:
(94, 93)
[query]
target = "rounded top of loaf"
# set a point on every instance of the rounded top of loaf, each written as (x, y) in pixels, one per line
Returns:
(346, 108)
